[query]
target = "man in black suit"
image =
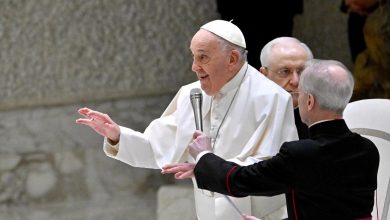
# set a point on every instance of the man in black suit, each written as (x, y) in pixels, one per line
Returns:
(331, 175)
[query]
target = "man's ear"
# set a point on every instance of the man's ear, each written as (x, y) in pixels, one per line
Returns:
(264, 71)
(310, 102)
(234, 57)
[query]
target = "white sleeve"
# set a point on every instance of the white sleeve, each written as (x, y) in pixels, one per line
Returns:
(151, 149)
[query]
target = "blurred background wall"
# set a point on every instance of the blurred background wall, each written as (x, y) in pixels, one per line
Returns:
(123, 57)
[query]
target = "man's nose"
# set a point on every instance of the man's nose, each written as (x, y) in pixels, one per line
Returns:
(195, 67)
(295, 78)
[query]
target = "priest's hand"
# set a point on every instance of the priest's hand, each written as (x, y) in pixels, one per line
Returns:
(200, 142)
(181, 170)
(101, 123)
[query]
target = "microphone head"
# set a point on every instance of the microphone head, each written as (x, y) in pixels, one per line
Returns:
(196, 93)
(196, 102)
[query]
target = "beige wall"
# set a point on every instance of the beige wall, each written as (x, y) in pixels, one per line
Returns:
(123, 57)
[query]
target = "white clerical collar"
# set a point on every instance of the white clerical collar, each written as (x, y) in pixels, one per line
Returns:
(235, 82)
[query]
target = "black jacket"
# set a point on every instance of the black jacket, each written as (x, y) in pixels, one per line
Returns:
(331, 175)
(303, 130)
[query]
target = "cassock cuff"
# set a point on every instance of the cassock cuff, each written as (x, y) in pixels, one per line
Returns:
(200, 155)
(109, 148)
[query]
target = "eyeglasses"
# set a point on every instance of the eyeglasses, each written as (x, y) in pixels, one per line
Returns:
(286, 72)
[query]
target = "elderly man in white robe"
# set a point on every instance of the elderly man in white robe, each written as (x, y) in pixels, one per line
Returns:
(245, 114)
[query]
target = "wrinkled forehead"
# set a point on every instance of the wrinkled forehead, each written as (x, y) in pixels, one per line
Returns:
(204, 41)
(293, 50)
(288, 55)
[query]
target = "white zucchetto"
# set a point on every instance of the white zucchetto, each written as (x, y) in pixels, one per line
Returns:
(227, 30)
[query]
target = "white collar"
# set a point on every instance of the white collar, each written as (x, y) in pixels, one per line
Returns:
(235, 82)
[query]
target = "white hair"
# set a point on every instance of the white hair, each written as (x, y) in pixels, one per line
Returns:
(265, 55)
(227, 46)
(331, 90)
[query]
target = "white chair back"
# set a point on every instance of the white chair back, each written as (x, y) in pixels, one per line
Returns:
(371, 119)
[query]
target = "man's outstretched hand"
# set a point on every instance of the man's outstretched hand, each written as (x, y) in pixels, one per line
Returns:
(101, 123)
(181, 170)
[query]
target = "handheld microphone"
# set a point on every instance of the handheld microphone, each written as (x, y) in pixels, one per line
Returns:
(196, 102)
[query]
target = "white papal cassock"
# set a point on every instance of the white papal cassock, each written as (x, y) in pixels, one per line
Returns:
(259, 120)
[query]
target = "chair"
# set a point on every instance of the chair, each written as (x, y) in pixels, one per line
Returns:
(371, 118)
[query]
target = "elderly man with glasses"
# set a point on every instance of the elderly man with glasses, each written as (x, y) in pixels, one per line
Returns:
(282, 61)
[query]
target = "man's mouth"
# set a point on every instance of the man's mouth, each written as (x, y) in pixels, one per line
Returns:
(203, 77)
